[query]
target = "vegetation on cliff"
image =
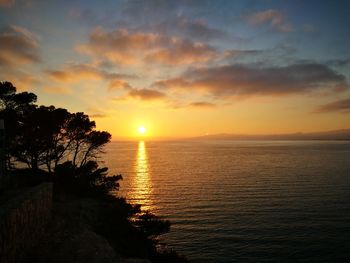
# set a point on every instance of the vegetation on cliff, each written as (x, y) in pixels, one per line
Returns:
(63, 148)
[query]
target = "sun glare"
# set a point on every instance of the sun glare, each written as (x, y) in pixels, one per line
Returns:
(141, 130)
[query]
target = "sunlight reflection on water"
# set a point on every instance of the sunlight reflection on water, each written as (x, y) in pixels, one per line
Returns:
(141, 188)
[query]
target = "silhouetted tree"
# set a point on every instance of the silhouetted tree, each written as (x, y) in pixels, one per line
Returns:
(41, 139)
(9, 99)
(84, 142)
(14, 107)
(44, 136)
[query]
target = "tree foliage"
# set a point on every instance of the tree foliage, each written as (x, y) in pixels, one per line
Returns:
(14, 107)
(44, 136)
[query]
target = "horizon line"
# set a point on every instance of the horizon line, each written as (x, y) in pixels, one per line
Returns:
(300, 133)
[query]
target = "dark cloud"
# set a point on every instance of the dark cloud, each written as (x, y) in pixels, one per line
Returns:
(275, 18)
(234, 53)
(145, 9)
(18, 46)
(141, 16)
(338, 62)
(181, 26)
(243, 80)
(198, 29)
(281, 54)
(335, 106)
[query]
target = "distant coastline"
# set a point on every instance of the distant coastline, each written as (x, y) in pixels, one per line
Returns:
(327, 135)
(332, 135)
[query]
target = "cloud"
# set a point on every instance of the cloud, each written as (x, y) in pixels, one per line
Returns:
(118, 84)
(76, 72)
(338, 62)
(180, 82)
(156, 8)
(124, 47)
(275, 18)
(335, 106)
(182, 52)
(57, 90)
(202, 104)
(98, 115)
(146, 94)
(198, 29)
(60, 75)
(23, 80)
(182, 26)
(18, 46)
(80, 72)
(243, 80)
(6, 3)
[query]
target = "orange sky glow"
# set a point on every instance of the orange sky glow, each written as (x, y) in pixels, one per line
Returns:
(183, 70)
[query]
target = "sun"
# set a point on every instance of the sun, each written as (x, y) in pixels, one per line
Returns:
(141, 130)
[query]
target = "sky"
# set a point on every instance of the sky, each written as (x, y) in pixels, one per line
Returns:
(184, 68)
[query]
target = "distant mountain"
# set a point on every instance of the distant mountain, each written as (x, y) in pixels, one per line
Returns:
(328, 135)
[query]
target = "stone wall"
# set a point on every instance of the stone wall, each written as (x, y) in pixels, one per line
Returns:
(23, 221)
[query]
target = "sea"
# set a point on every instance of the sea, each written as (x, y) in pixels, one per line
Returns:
(242, 201)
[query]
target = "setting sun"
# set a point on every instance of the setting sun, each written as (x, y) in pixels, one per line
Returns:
(141, 130)
(228, 120)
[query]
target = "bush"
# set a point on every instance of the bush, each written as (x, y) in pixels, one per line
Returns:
(151, 225)
(88, 179)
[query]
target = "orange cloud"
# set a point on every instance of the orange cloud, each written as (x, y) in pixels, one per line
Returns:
(57, 90)
(146, 94)
(81, 72)
(118, 84)
(73, 74)
(123, 47)
(78, 72)
(61, 75)
(182, 52)
(18, 46)
(22, 80)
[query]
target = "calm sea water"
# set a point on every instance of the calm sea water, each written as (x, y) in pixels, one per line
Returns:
(236, 201)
